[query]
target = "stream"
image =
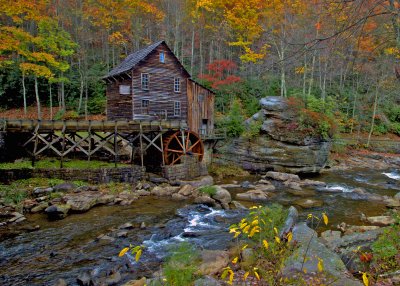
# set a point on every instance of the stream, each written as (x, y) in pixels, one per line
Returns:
(90, 242)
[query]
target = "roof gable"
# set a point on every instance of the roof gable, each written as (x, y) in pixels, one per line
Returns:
(133, 60)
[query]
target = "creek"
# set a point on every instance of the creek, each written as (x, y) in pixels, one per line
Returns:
(90, 242)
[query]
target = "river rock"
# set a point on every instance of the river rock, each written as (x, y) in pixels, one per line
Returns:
(380, 220)
(57, 211)
(40, 191)
(213, 261)
(139, 282)
(81, 202)
(222, 196)
(278, 176)
(290, 222)
(293, 185)
(84, 279)
(113, 279)
(61, 282)
(16, 217)
(207, 281)
(301, 193)
(313, 249)
(254, 196)
(349, 247)
(265, 187)
(178, 197)
(238, 205)
(64, 187)
(143, 193)
(186, 190)
(200, 182)
(309, 203)
(392, 203)
(329, 235)
(204, 199)
(397, 196)
(312, 183)
(349, 229)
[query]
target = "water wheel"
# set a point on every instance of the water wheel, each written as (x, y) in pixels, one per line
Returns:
(182, 143)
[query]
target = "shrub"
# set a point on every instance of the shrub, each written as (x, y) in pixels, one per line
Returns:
(97, 105)
(387, 248)
(234, 121)
(223, 171)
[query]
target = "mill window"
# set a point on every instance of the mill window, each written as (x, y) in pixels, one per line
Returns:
(177, 84)
(145, 81)
(177, 108)
(162, 57)
(145, 106)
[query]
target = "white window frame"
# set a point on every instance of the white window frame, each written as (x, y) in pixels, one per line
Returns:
(145, 107)
(177, 84)
(177, 108)
(162, 57)
(124, 89)
(145, 81)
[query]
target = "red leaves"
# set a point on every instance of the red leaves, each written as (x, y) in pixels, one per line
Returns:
(220, 73)
(366, 257)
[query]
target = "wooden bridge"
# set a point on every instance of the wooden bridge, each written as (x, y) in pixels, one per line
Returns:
(161, 141)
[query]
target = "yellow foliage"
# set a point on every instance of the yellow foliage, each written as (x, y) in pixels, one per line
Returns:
(365, 279)
(325, 218)
(123, 251)
(265, 243)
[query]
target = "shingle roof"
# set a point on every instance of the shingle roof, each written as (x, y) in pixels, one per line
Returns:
(133, 59)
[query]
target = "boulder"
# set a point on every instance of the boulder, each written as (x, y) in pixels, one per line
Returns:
(57, 211)
(200, 182)
(204, 199)
(143, 193)
(113, 279)
(392, 203)
(186, 190)
(397, 196)
(281, 146)
(81, 202)
(278, 176)
(222, 196)
(349, 229)
(308, 203)
(213, 261)
(238, 205)
(310, 247)
(330, 235)
(84, 279)
(254, 196)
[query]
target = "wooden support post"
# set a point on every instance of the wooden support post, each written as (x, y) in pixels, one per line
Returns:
(36, 143)
(141, 144)
(63, 145)
(90, 140)
(162, 148)
(115, 144)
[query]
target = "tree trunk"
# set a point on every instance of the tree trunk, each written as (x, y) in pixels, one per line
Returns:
(39, 112)
(373, 115)
(81, 87)
(24, 93)
(192, 56)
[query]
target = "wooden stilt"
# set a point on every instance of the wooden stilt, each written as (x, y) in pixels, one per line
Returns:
(90, 140)
(115, 144)
(63, 145)
(141, 145)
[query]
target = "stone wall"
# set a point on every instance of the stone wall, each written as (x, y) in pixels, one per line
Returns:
(190, 168)
(93, 176)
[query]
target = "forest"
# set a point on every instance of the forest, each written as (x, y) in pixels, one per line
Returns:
(338, 60)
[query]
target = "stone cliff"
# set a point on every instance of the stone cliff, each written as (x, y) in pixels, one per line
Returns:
(281, 145)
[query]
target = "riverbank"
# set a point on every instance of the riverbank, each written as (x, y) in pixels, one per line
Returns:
(101, 219)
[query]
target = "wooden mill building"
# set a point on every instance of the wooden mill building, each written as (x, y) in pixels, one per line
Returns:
(152, 84)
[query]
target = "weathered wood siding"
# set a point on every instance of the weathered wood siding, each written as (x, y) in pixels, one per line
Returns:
(200, 108)
(161, 94)
(119, 107)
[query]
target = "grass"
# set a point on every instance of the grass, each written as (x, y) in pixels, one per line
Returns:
(224, 171)
(55, 164)
(17, 191)
(211, 190)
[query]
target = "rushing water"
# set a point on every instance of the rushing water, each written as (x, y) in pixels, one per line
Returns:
(69, 247)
